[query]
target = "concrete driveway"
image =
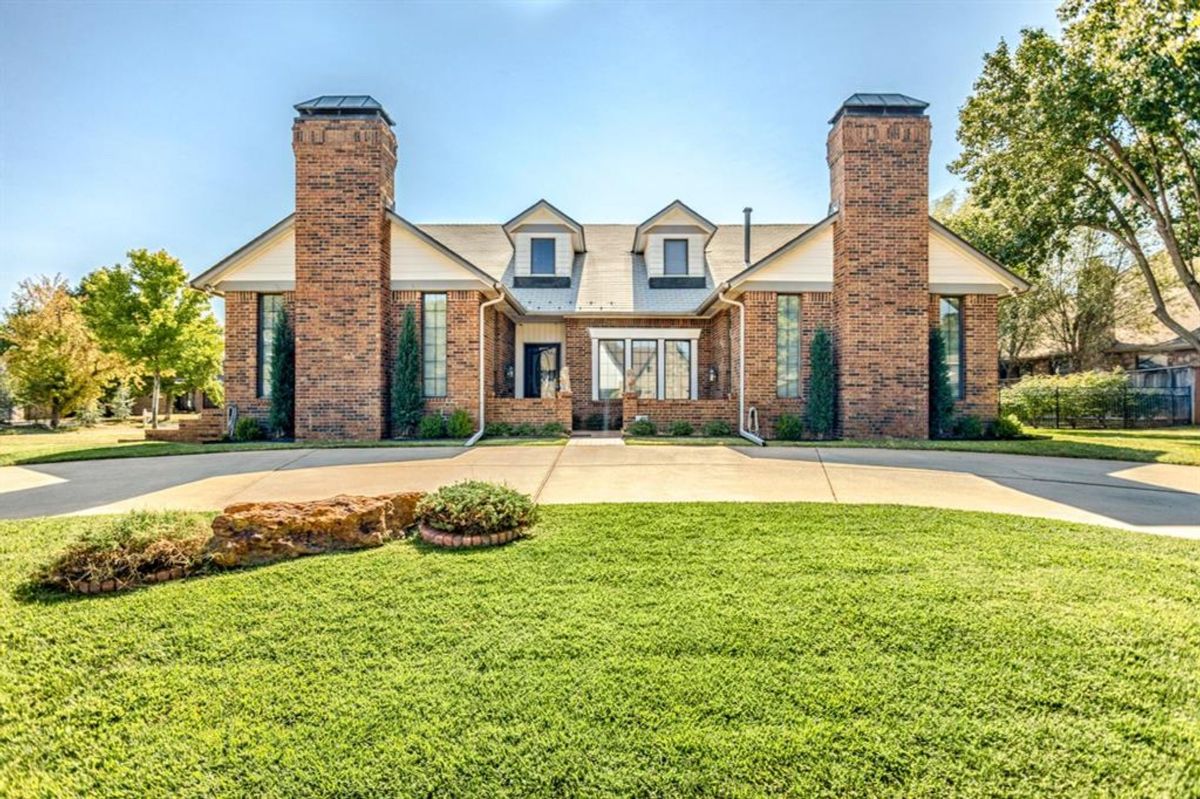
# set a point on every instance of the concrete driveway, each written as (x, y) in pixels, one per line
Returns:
(1155, 498)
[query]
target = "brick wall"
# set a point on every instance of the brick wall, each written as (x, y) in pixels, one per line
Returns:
(816, 311)
(344, 184)
(462, 347)
(981, 351)
(879, 180)
(531, 410)
(664, 412)
(241, 352)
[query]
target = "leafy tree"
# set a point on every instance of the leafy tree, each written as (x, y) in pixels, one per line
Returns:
(941, 395)
(7, 403)
(121, 404)
(1096, 129)
(819, 412)
(51, 355)
(282, 416)
(408, 401)
(147, 313)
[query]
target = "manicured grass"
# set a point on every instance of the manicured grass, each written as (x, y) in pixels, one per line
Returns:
(31, 445)
(1164, 445)
(511, 441)
(661, 650)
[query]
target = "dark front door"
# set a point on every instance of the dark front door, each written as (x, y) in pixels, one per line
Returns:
(541, 369)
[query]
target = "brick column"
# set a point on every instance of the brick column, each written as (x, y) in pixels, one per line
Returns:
(879, 176)
(345, 170)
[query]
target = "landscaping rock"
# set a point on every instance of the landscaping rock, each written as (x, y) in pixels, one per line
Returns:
(261, 532)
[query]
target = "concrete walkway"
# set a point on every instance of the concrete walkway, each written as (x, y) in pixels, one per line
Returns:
(1156, 498)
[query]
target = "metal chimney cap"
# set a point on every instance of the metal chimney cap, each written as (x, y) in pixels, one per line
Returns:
(343, 105)
(863, 104)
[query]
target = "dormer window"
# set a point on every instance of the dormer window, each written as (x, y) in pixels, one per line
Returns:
(672, 244)
(675, 257)
(541, 257)
(546, 245)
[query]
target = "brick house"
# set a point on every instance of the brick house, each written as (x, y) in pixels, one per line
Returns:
(543, 318)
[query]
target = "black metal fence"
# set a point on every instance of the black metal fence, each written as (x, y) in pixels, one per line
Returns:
(1127, 406)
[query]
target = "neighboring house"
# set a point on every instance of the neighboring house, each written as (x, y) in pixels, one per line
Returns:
(653, 319)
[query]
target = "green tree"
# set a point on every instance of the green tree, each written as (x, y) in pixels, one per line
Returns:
(408, 401)
(1096, 129)
(941, 395)
(820, 410)
(147, 313)
(51, 355)
(282, 417)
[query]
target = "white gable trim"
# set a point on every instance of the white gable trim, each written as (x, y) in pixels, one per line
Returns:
(677, 208)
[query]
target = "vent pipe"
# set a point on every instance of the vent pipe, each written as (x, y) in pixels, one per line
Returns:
(746, 235)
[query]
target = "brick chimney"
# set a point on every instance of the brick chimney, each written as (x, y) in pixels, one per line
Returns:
(878, 153)
(345, 183)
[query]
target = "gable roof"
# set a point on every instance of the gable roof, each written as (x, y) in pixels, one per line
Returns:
(546, 205)
(675, 205)
(607, 279)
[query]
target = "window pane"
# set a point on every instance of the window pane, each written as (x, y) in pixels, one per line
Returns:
(951, 310)
(269, 306)
(644, 365)
(541, 254)
(433, 344)
(611, 370)
(675, 257)
(677, 369)
(787, 345)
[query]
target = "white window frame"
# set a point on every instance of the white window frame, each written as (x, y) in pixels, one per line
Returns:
(659, 334)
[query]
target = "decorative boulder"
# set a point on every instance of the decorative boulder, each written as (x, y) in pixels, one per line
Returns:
(261, 532)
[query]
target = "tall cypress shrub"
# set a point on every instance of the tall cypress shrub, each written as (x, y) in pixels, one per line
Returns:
(282, 416)
(819, 412)
(408, 402)
(941, 396)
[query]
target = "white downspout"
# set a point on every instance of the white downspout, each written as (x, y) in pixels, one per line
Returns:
(482, 399)
(742, 431)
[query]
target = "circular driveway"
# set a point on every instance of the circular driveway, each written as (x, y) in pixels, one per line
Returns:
(1157, 498)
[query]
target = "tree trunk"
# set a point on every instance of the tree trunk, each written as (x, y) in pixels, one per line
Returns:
(154, 401)
(54, 415)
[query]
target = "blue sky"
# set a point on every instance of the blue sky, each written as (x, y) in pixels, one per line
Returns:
(167, 125)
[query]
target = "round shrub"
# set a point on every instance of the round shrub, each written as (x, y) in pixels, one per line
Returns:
(497, 429)
(553, 429)
(969, 427)
(789, 428)
(1008, 426)
(594, 421)
(717, 428)
(524, 430)
(247, 429)
(432, 425)
(474, 507)
(459, 424)
(681, 428)
(642, 427)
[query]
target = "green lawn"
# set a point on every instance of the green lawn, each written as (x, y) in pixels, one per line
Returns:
(662, 650)
(1164, 445)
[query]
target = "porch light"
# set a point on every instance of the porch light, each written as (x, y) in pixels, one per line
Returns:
(712, 374)
(510, 371)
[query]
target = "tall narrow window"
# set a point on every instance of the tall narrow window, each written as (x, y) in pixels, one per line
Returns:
(675, 256)
(952, 335)
(433, 344)
(643, 362)
(269, 306)
(541, 256)
(677, 369)
(611, 369)
(787, 345)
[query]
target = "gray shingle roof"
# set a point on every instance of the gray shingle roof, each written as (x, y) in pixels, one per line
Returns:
(608, 278)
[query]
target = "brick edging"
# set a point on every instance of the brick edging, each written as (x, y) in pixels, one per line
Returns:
(107, 586)
(445, 540)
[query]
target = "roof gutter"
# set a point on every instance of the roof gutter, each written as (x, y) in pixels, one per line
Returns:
(742, 431)
(483, 399)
